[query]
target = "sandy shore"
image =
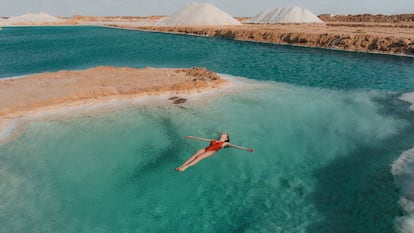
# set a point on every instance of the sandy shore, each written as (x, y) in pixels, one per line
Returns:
(20, 97)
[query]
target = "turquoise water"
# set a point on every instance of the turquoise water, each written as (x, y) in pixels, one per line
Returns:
(325, 133)
(26, 50)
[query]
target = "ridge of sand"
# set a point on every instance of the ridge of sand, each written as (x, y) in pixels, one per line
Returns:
(21, 97)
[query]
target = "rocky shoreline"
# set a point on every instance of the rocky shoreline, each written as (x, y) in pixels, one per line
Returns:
(341, 36)
(388, 34)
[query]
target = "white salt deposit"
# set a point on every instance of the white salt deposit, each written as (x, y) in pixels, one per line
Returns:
(33, 18)
(199, 14)
(286, 15)
(403, 172)
(409, 97)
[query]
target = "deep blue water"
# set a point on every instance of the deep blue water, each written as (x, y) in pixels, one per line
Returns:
(325, 125)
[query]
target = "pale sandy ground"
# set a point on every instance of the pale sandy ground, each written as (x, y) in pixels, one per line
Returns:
(92, 21)
(25, 96)
(383, 29)
(398, 29)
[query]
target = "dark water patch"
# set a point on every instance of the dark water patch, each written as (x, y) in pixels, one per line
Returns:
(356, 196)
(159, 159)
(357, 193)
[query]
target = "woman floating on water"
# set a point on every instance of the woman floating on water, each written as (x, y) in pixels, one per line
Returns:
(215, 145)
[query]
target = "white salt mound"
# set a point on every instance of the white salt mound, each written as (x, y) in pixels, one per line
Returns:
(199, 14)
(409, 97)
(286, 15)
(33, 18)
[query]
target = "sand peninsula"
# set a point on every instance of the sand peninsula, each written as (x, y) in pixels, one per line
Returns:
(100, 83)
(21, 97)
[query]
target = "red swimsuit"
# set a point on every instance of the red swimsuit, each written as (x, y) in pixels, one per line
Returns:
(214, 145)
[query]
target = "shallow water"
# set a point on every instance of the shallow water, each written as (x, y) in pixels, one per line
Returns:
(321, 162)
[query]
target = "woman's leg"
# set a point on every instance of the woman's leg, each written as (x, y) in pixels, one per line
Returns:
(192, 158)
(197, 159)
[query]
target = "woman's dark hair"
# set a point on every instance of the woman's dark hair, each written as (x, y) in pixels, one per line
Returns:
(228, 137)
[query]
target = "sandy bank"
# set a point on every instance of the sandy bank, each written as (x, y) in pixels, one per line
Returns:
(386, 38)
(21, 96)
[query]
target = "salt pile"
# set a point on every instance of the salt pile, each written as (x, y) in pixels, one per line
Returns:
(409, 97)
(286, 15)
(33, 18)
(199, 14)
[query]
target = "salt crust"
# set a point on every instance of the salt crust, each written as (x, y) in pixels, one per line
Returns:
(402, 169)
(409, 97)
(10, 129)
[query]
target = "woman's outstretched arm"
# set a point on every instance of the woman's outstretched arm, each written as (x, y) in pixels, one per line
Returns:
(198, 138)
(240, 147)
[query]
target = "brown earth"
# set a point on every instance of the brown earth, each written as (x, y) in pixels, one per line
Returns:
(368, 18)
(369, 37)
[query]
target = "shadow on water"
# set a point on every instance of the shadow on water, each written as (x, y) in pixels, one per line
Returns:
(357, 193)
(160, 157)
